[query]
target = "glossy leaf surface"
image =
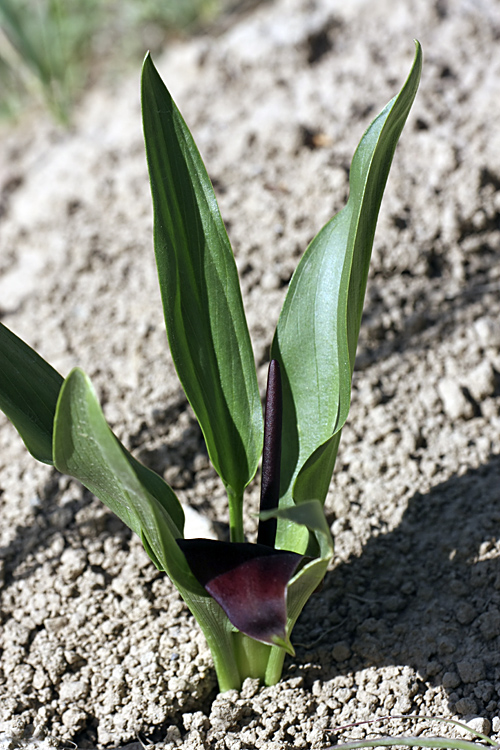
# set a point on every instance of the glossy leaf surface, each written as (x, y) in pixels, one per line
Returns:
(85, 448)
(29, 388)
(201, 296)
(317, 332)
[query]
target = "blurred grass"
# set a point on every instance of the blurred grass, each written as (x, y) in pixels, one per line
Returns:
(53, 49)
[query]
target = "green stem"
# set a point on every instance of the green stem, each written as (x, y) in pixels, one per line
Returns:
(258, 660)
(226, 667)
(274, 667)
(219, 634)
(251, 656)
(236, 531)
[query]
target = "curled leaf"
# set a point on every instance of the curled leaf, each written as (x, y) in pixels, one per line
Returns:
(249, 582)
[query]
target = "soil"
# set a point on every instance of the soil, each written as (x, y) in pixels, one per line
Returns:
(97, 647)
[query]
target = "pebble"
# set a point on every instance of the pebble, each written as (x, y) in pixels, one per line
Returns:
(471, 670)
(197, 525)
(481, 381)
(479, 724)
(455, 405)
(451, 680)
(487, 331)
(341, 651)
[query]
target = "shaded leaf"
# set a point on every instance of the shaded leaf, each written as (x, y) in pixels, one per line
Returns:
(29, 388)
(202, 303)
(249, 581)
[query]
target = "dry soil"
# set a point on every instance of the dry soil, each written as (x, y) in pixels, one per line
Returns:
(96, 645)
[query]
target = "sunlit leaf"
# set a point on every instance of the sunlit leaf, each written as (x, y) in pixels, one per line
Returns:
(201, 296)
(85, 448)
(317, 332)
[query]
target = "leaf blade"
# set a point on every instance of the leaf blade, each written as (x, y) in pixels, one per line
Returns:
(317, 332)
(367, 187)
(85, 448)
(202, 303)
(29, 389)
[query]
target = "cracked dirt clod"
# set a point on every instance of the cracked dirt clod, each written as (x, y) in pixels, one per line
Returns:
(96, 645)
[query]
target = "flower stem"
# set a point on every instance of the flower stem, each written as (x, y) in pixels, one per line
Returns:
(236, 531)
(274, 666)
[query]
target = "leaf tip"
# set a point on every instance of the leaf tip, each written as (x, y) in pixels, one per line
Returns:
(284, 643)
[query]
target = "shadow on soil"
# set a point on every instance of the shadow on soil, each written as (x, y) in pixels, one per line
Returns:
(425, 595)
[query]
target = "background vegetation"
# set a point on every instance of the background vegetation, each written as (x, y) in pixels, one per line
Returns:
(53, 49)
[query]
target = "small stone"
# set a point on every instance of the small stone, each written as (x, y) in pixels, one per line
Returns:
(74, 719)
(250, 687)
(55, 624)
(471, 670)
(455, 405)
(73, 563)
(225, 712)
(73, 690)
(40, 679)
(433, 668)
(486, 331)
(466, 706)
(341, 651)
(479, 724)
(177, 685)
(451, 680)
(197, 721)
(481, 381)
(465, 613)
(490, 624)
(270, 281)
(173, 736)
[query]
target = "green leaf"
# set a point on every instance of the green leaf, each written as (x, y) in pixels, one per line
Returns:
(85, 448)
(32, 50)
(310, 515)
(32, 395)
(29, 388)
(202, 303)
(444, 743)
(317, 332)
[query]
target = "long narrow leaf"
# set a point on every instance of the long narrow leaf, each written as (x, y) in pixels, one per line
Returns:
(29, 392)
(369, 172)
(202, 303)
(317, 332)
(29, 388)
(443, 743)
(30, 49)
(85, 448)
